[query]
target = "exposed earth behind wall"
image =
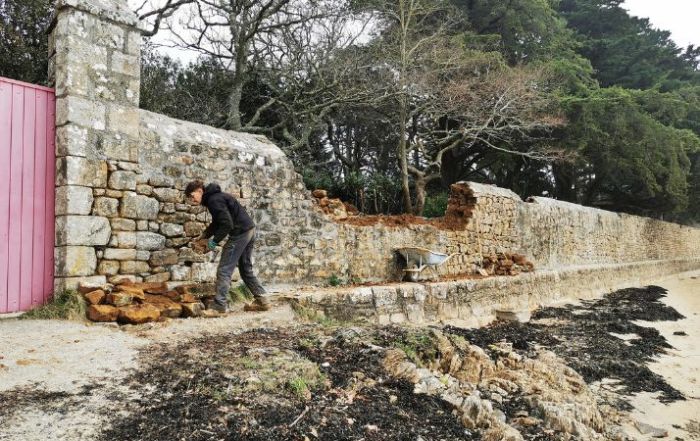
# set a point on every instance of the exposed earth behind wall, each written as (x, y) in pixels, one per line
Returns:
(588, 370)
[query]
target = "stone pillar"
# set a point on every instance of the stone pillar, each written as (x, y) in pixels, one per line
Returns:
(94, 48)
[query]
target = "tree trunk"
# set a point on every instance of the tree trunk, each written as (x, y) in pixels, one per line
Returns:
(420, 184)
(403, 160)
(239, 78)
(405, 189)
(234, 101)
(564, 178)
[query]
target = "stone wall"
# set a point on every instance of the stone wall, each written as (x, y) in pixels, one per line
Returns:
(471, 303)
(121, 171)
(94, 50)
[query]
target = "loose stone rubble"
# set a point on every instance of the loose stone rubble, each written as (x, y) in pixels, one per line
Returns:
(137, 303)
(334, 207)
(507, 264)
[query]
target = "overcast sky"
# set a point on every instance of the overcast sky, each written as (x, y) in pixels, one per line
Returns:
(678, 16)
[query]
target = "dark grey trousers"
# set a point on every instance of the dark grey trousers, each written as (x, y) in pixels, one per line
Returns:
(238, 251)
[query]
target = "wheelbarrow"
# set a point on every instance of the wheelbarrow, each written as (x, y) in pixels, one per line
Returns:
(418, 259)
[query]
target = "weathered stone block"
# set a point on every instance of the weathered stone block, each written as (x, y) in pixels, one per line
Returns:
(167, 207)
(90, 27)
(137, 206)
(108, 267)
(88, 285)
(134, 267)
(180, 272)
(126, 64)
(122, 180)
(137, 314)
(95, 297)
(172, 230)
(176, 242)
(168, 194)
(74, 140)
(82, 230)
(120, 298)
(160, 180)
(108, 207)
(79, 64)
(165, 257)
(116, 194)
(360, 295)
(122, 278)
(80, 111)
(120, 253)
(385, 296)
(194, 228)
(149, 241)
(203, 271)
(102, 313)
(73, 199)
(65, 283)
(72, 170)
(160, 277)
(158, 299)
(144, 189)
(118, 147)
(73, 261)
(142, 255)
(124, 120)
(128, 166)
(121, 224)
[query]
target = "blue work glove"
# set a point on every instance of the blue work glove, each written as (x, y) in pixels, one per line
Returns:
(211, 245)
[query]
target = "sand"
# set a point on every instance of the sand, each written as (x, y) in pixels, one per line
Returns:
(680, 367)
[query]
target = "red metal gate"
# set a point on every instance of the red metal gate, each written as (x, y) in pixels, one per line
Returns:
(27, 170)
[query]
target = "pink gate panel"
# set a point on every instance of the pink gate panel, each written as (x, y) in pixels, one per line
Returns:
(27, 170)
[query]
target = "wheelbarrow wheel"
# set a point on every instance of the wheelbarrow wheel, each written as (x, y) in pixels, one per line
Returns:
(411, 273)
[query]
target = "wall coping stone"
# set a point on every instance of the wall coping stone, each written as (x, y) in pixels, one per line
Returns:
(212, 136)
(109, 10)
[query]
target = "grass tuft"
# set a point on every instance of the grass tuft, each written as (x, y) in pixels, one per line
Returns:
(300, 388)
(240, 293)
(67, 305)
(313, 316)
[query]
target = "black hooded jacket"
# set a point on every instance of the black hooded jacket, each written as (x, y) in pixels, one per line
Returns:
(228, 216)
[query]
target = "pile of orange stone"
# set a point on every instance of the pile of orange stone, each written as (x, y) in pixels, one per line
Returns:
(507, 264)
(136, 303)
(334, 207)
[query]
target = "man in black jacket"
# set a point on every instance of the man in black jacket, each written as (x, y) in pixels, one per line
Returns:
(230, 219)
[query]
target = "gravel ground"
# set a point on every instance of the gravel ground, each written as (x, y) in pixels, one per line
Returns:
(58, 378)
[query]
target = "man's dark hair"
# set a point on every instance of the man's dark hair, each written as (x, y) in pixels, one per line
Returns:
(192, 186)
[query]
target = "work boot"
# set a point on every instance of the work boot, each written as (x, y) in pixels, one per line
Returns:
(259, 304)
(218, 307)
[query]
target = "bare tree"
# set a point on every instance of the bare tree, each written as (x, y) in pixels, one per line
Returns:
(290, 44)
(410, 31)
(496, 110)
(448, 95)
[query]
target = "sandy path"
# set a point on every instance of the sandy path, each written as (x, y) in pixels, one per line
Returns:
(680, 367)
(52, 356)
